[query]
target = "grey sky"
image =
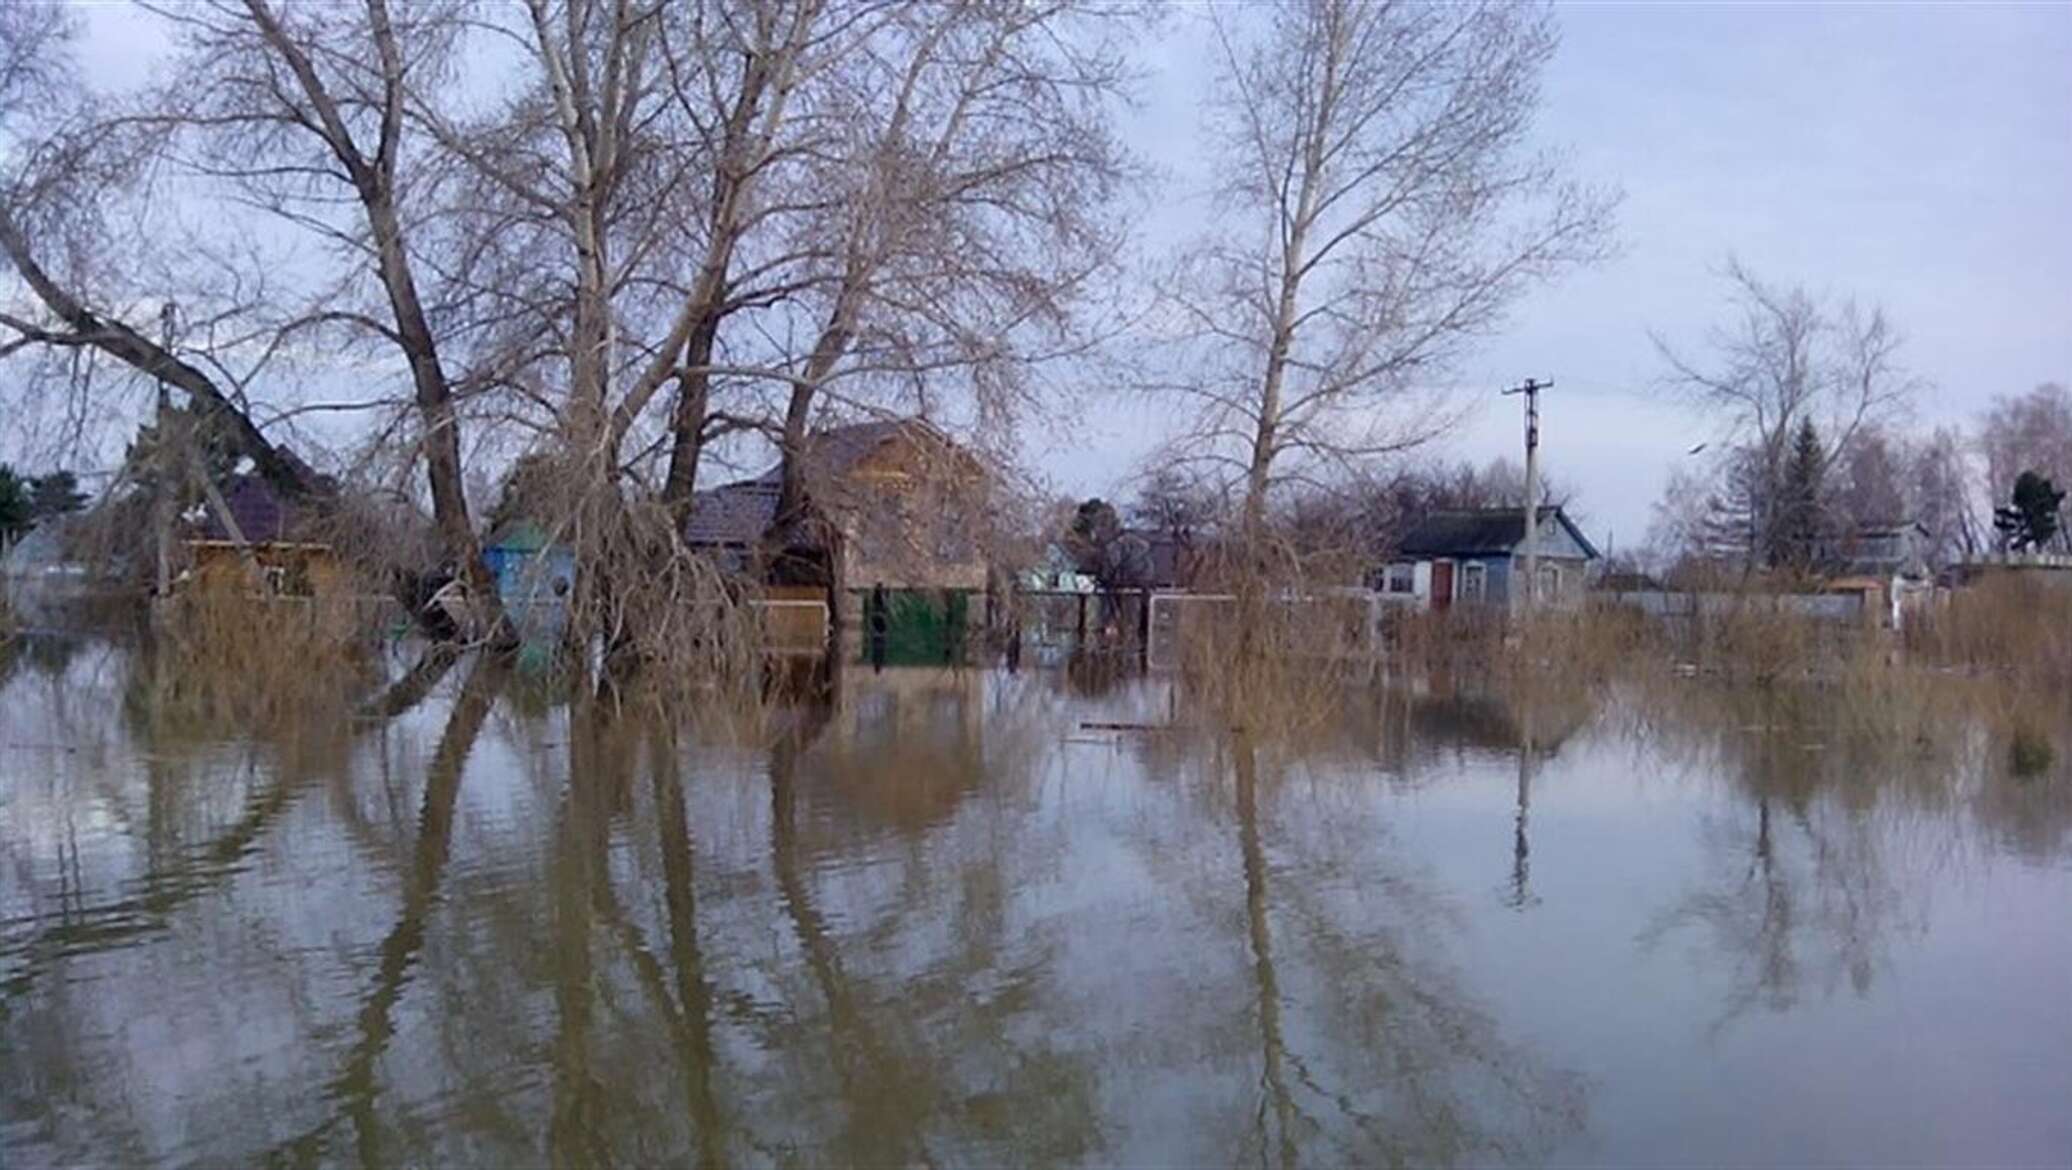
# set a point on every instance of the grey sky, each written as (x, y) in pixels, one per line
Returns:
(1916, 156)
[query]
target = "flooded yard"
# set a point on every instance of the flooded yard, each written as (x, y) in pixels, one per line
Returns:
(968, 918)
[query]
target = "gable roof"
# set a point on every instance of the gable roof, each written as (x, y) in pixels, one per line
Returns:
(739, 513)
(1481, 531)
(835, 452)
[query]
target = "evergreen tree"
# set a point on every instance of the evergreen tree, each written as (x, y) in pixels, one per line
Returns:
(2031, 519)
(15, 515)
(54, 495)
(1799, 504)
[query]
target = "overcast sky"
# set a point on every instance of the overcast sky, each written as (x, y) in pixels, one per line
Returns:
(1919, 157)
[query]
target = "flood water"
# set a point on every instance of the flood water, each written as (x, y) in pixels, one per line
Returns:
(956, 921)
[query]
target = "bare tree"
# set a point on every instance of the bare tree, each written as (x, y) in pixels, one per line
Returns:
(966, 216)
(1940, 481)
(1867, 483)
(302, 108)
(1789, 358)
(2027, 432)
(1381, 213)
(1175, 507)
(301, 115)
(600, 207)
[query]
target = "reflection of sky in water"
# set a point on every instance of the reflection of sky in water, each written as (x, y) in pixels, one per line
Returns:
(950, 921)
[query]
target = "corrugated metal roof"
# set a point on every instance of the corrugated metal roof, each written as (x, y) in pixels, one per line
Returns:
(1482, 531)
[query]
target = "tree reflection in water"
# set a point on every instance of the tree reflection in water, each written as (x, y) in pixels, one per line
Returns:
(936, 922)
(1804, 891)
(1390, 1060)
(692, 1022)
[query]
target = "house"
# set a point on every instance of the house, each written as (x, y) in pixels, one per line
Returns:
(897, 512)
(1895, 549)
(1057, 572)
(1477, 556)
(1170, 561)
(271, 535)
(1883, 564)
(52, 566)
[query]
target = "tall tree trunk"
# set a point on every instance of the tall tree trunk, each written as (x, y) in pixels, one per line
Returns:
(767, 77)
(373, 181)
(693, 402)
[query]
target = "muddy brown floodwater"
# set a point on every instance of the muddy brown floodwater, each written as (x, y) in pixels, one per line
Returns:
(947, 922)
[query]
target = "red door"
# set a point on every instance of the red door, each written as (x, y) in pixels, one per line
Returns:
(1442, 584)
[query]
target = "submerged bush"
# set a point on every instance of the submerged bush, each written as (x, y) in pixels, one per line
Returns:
(2029, 753)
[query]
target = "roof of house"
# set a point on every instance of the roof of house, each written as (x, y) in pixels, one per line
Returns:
(521, 535)
(1483, 531)
(1875, 550)
(1172, 560)
(834, 453)
(1627, 582)
(262, 516)
(739, 513)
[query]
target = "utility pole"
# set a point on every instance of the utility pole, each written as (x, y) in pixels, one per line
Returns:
(1531, 389)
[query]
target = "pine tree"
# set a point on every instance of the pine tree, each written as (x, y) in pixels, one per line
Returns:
(54, 495)
(1798, 511)
(2031, 519)
(15, 517)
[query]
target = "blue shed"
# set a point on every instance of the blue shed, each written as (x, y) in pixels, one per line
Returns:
(533, 578)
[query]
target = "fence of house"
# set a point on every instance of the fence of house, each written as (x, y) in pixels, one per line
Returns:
(1841, 608)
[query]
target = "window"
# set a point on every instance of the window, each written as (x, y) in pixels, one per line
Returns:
(1472, 579)
(1402, 578)
(1550, 582)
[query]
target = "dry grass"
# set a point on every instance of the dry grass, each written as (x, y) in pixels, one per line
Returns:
(225, 658)
(1274, 658)
(2014, 627)
(1754, 643)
